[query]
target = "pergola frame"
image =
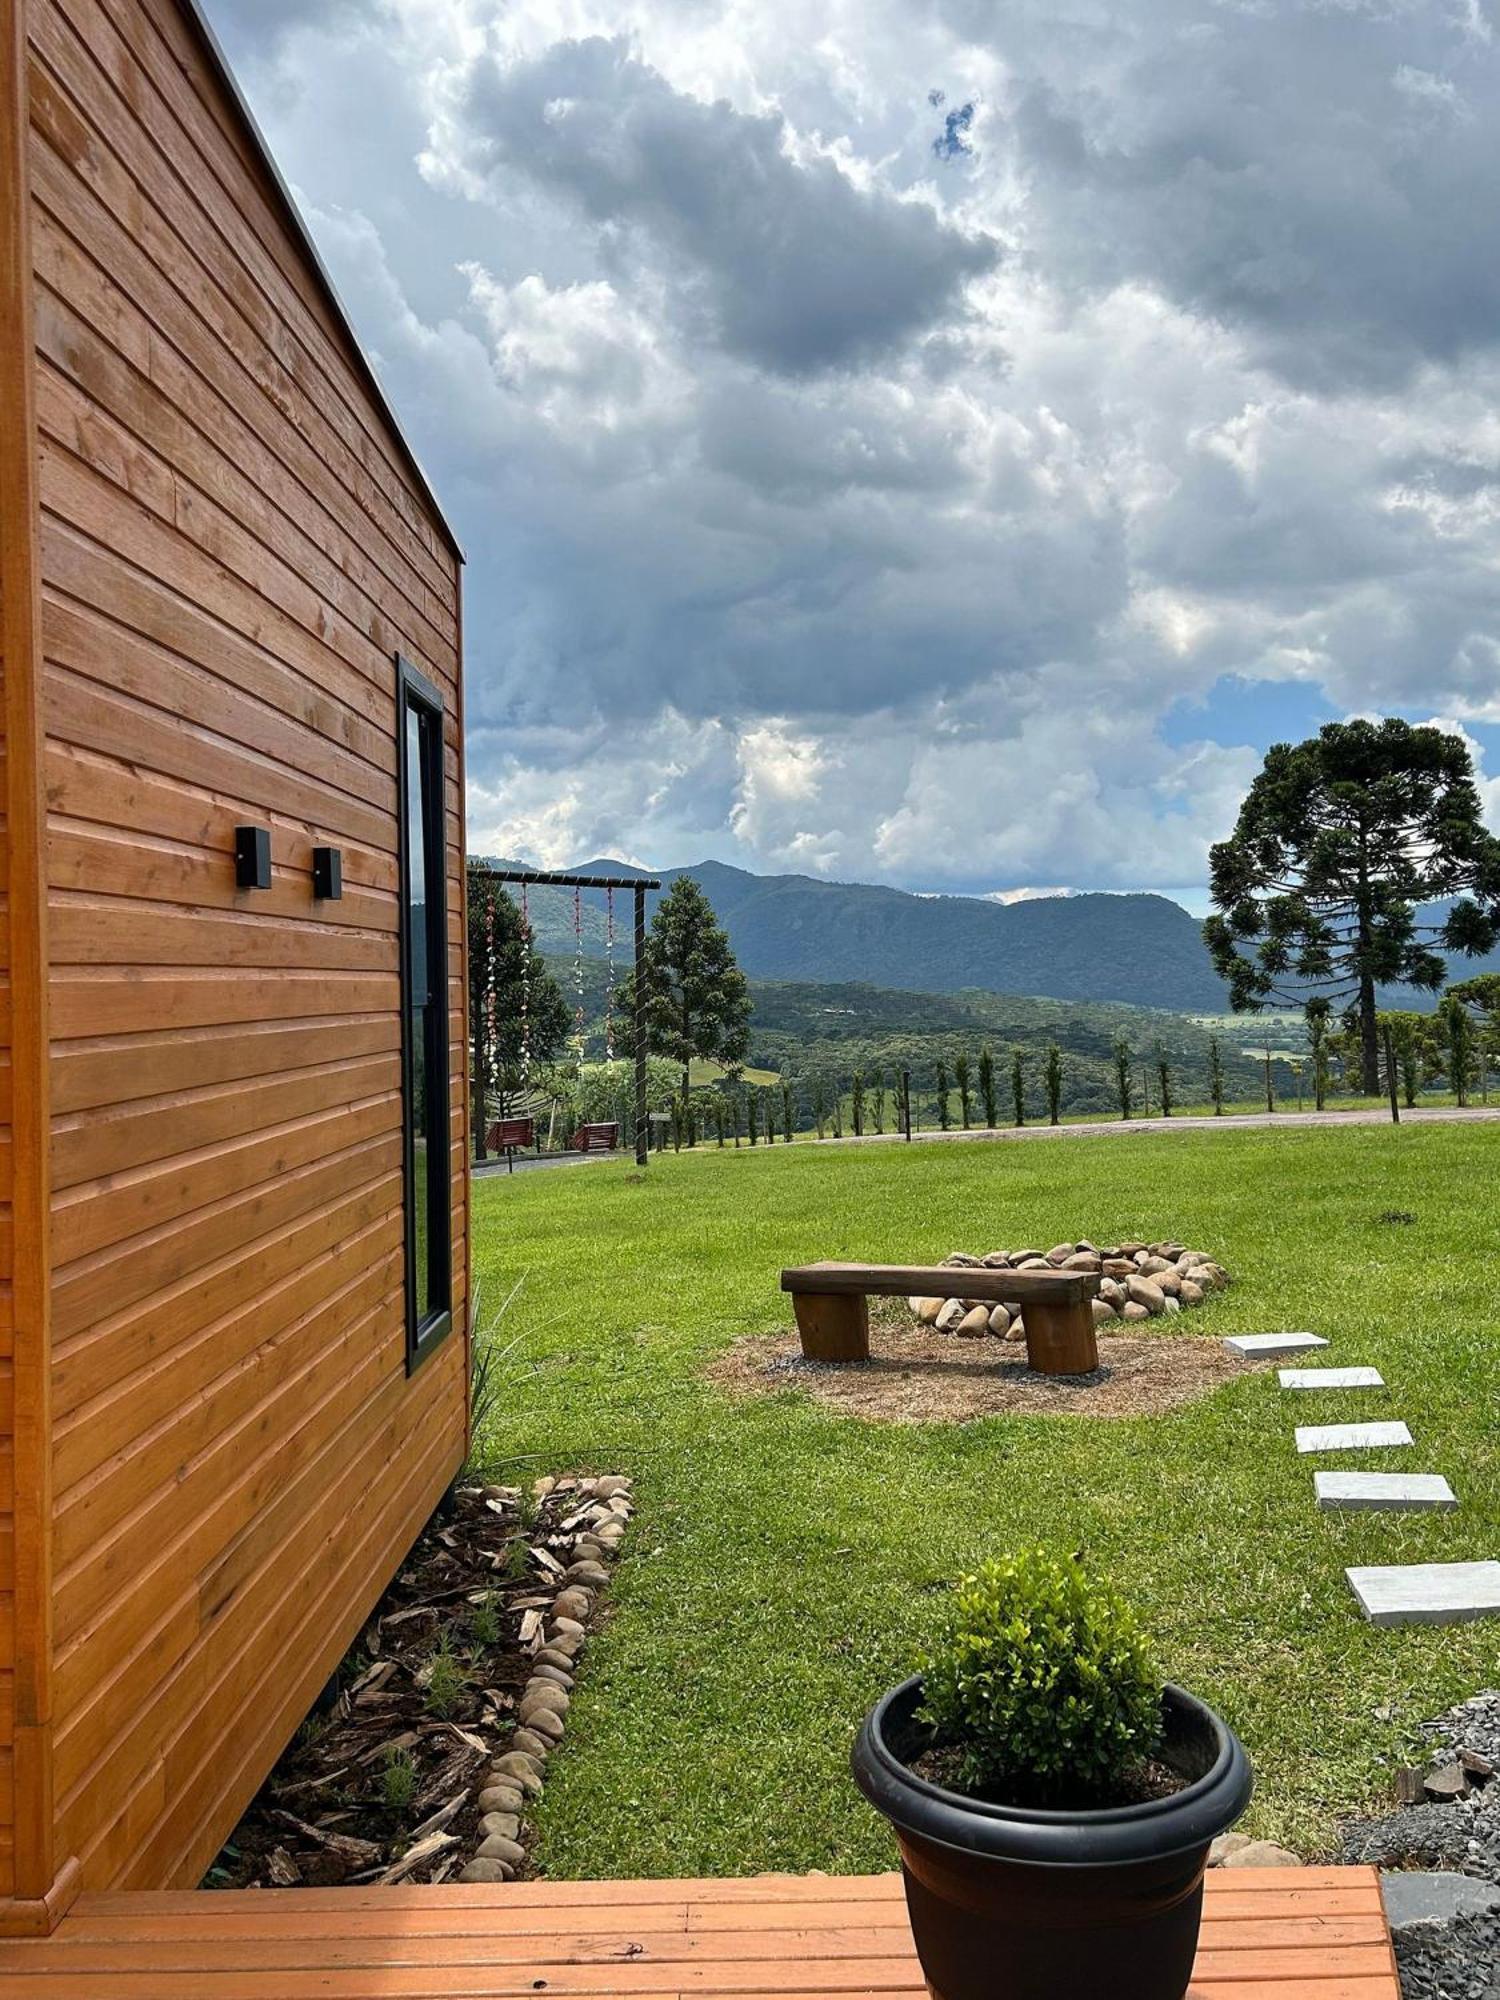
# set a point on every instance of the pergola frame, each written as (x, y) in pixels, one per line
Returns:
(530, 878)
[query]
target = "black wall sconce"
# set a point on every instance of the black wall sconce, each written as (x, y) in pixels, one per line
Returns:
(328, 874)
(252, 857)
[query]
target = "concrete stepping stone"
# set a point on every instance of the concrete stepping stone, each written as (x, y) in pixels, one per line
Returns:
(1350, 1437)
(1427, 1593)
(1331, 1378)
(1263, 1346)
(1392, 1492)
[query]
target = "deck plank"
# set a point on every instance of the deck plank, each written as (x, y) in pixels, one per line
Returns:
(1268, 1934)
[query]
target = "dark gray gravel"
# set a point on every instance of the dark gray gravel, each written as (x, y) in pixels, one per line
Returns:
(1455, 1961)
(1458, 1959)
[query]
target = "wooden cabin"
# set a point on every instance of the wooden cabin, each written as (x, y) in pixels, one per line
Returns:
(234, 1232)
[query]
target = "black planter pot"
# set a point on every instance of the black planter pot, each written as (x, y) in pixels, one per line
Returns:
(1011, 1904)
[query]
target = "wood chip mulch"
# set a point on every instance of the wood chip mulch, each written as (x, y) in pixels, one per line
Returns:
(381, 1782)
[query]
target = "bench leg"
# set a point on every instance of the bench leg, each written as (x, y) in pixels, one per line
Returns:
(1060, 1340)
(835, 1326)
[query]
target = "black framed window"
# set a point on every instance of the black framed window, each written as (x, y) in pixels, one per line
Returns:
(424, 1012)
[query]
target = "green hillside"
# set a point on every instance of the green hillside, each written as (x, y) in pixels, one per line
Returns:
(827, 1033)
(1143, 950)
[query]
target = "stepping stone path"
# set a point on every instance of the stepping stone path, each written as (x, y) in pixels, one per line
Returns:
(1428, 1593)
(1350, 1437)
(1403, 1593)
(1331, 1378)
(1394, 1492)
(1264, 1346)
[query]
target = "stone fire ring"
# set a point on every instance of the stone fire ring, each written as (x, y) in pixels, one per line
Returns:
(1137, 1281)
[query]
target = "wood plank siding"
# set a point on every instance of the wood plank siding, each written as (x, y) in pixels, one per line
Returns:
(233, 548)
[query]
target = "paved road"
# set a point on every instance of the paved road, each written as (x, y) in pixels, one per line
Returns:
(1234, 1121)
(530, 1163)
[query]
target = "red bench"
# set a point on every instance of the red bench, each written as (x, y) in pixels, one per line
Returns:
(508, 1134)
(596, 1138)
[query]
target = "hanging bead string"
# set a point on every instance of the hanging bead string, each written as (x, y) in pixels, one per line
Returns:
(578, 1016)
(609, 988)
(491, 1003)
(525, 991)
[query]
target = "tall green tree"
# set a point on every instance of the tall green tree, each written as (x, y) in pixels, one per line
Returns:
(1317, 1036)
(517, 1014)
(857, 1103)
(1052, 1077)
(1216, 1075)
(987, 1087)
(964, 1078)
(1339, 842)
(697, 999)
(1018, 1084)
(1124, 1090)
(1164, 1078)
(942, 1096)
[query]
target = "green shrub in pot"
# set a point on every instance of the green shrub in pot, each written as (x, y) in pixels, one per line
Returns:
(1054, 1801)
(1044, 1688)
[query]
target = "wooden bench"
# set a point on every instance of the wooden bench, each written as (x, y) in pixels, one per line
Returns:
(596, 1138)
(834, 1321)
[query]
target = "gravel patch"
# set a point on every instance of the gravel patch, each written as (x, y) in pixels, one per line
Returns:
(1445, 1949)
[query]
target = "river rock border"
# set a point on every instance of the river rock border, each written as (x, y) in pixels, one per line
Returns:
(1138, 1281)
(553, 1636)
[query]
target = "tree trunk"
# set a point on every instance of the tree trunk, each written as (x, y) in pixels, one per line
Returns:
(1369, 1039)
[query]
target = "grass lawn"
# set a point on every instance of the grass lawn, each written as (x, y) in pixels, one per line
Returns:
(787, 1564)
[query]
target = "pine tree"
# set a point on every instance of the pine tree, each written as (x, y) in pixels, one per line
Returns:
(1216, 1075)
(963, 1077)
(880, 1100)
(1053, 1077)
(1340, 842)
(1018, 1085)
(1123, 1087)
(857, 1103)
(1164, 1079)
(697, 999)
(987, 1088)
(786, 1109)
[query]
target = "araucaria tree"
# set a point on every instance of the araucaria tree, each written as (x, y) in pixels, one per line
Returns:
(517, 1013)
(1340, 841)
(697, 999)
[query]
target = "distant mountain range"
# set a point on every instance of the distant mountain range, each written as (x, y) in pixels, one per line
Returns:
(1139, 950)
(1143, 950)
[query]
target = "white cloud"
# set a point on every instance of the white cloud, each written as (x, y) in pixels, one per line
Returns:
(832, 505)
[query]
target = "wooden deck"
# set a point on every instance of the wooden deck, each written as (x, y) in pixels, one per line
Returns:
(1268, 1934)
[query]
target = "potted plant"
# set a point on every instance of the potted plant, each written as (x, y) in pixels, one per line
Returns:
(1053, 1799)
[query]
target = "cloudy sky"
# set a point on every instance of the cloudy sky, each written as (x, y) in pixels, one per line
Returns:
(929, 441)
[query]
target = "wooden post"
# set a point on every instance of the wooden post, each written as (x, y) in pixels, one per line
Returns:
(1060, 1340)
(642, 1129)
(835, 1326)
